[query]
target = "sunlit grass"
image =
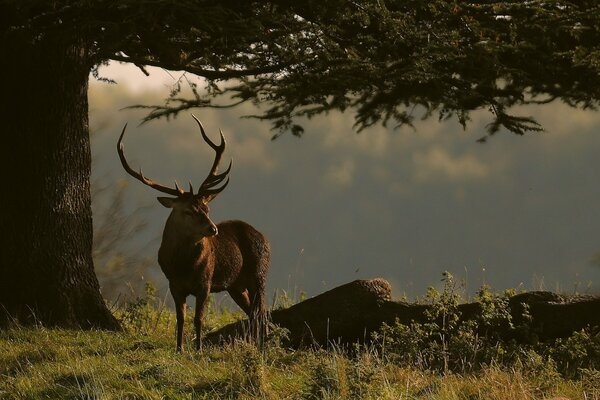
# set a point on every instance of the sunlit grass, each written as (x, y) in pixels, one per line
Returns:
(53, 363)
(141, 363)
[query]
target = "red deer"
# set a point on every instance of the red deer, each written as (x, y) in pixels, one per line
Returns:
(199, 257)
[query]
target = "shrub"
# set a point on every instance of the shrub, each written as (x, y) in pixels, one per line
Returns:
(446, 342)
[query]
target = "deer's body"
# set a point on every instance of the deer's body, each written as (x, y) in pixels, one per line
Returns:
(199, 257)
(186, 263)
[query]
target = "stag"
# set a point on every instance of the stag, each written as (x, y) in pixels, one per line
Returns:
(199, 257)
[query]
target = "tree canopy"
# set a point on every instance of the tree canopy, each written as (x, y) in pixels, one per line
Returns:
(386, 60)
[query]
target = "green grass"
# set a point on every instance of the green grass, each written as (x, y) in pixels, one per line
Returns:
(63, 364)
(60, 364)
(141, 363)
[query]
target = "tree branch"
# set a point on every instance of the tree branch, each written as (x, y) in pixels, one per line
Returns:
(206, 73)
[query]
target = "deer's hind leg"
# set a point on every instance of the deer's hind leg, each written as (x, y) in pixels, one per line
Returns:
(258, 311)
(241, 299)
(240, 296)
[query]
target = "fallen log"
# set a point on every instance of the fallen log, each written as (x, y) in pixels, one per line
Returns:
(351, 312)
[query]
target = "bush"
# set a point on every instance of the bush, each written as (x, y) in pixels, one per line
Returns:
(445, 342)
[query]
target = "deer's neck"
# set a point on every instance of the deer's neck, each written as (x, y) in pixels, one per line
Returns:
(178, 250)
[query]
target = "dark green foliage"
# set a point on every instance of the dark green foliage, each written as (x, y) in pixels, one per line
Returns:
(447, 343)
(325, 381)
(250, 379)
(392, 62)
(364, 379)
(578, 355)
(389, 61)
(143, 312)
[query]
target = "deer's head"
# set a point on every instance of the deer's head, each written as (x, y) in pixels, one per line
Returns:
(189, 209)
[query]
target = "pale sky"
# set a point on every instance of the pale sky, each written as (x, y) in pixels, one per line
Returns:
(404, 205)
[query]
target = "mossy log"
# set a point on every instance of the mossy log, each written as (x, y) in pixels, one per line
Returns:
(351, 312)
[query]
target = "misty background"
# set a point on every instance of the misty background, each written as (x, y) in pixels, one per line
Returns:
(405, 204)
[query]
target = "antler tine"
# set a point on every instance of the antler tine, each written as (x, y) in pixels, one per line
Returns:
(139, 175)
(220, 147)
(213, 178)
(215, 191)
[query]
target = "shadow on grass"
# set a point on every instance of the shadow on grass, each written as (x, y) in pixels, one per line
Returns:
(216, 389)
(13, 366)
(71, 386)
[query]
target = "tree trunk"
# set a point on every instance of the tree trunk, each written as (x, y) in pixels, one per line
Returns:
(351, 312)
(46, 270)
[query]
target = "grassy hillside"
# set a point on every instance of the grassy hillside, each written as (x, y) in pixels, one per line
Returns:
(140, 363)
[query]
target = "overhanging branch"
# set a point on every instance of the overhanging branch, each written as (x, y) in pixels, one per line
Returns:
(206, 73)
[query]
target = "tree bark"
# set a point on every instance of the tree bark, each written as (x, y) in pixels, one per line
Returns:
(46, 270)
(351, 312)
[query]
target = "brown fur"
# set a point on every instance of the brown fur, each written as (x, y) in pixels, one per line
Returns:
(236, 260)
(199, 257)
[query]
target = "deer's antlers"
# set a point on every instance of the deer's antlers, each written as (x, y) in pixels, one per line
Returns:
(213, 179)
(207, 189)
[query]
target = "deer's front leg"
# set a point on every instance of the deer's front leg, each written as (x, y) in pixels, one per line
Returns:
(180, 312)
(201, 299)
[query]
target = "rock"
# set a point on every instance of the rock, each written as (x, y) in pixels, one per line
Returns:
(351, 312)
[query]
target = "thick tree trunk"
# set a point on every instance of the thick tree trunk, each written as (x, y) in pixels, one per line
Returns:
(351, 312)
(46, 270)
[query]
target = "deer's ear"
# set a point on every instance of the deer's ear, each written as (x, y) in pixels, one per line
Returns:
(166, 201)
